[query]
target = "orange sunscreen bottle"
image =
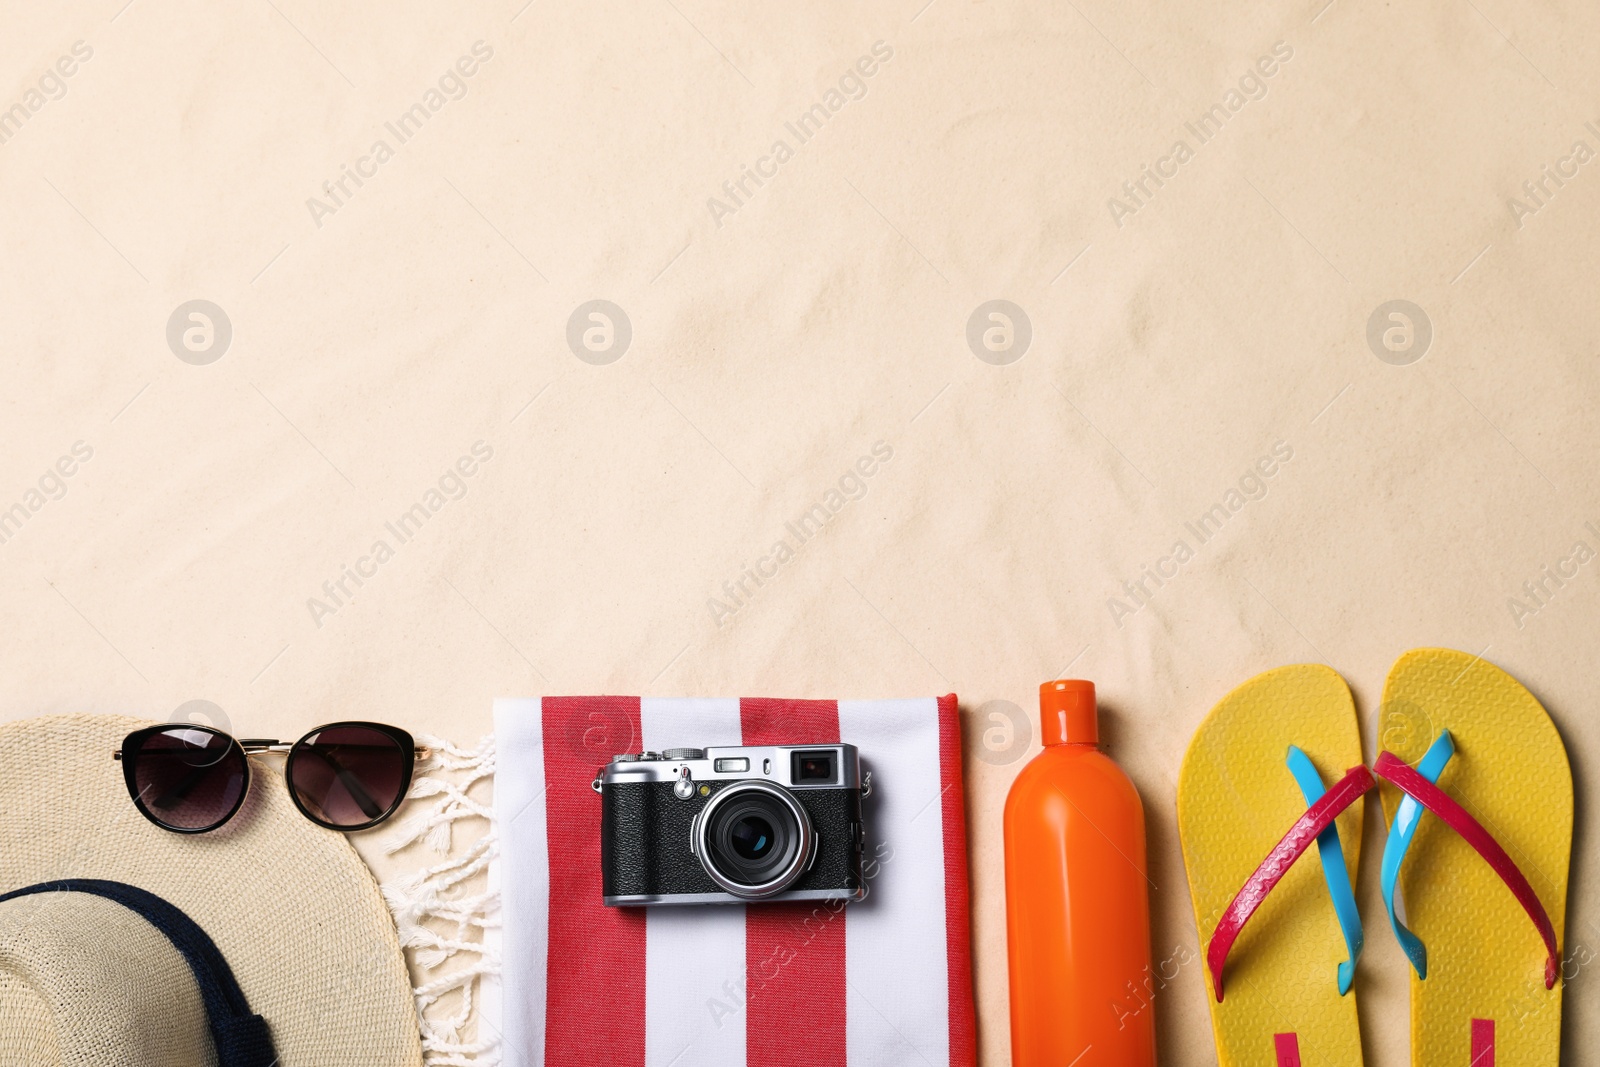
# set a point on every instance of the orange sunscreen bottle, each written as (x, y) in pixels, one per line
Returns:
(1077, 899)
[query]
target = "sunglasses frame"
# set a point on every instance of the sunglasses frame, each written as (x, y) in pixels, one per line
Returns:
(243, 748)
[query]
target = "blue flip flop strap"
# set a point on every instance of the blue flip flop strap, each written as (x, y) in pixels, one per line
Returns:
(1334, 871)
(1401, 830)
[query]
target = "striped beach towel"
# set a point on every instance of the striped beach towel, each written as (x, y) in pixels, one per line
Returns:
(885, 981)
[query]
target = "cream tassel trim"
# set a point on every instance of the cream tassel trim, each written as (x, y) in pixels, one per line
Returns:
(441, 924)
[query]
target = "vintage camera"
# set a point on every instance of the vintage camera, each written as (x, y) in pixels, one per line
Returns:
(732, 825)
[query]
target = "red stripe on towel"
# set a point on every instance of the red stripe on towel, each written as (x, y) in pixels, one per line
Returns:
(958, 936)
(794, 952)
(591, 946)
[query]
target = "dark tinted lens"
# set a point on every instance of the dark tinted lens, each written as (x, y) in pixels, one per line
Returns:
(752, 837)
(348, 775)
(188, 779)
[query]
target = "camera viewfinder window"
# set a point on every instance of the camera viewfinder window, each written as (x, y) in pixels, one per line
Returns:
(813, 768)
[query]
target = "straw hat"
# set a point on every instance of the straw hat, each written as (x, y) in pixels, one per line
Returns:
(292, 908)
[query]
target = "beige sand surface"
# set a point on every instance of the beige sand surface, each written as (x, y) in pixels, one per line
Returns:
(400, 213)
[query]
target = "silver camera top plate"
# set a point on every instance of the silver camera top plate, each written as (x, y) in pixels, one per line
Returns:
(790, 766)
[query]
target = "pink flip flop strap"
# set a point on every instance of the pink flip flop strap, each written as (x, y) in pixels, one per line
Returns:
(1317, 818)
(1393, 769)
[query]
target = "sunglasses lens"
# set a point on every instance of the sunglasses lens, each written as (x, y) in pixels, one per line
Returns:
(348, 776)
(189, 779)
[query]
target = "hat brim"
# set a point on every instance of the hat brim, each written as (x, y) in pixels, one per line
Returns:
(85, 980)
(291, 905)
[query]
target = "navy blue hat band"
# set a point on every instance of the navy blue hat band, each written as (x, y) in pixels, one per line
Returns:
(241, 1037)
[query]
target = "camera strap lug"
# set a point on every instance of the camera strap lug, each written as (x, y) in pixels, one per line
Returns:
(866, 785)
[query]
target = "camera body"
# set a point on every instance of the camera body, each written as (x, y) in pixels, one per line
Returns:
(732, 825)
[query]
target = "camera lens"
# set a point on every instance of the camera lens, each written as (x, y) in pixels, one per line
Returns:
(754, 839)
(751, 836)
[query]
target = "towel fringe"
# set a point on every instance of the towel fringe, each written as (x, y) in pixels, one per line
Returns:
(436, 922)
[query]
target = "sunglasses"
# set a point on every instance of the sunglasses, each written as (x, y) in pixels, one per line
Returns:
(190, 779)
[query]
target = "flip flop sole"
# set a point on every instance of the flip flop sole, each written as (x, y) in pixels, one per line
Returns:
(1236, 800)
(1485, 986)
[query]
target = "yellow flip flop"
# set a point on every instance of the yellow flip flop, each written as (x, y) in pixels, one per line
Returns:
(1491, 854)
(1256, 768)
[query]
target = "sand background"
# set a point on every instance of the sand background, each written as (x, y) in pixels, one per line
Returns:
(778, 337)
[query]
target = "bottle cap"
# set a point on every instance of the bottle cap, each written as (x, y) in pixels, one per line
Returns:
(1067, 712)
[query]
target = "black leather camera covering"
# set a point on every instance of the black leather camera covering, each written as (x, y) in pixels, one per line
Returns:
(645, 829)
